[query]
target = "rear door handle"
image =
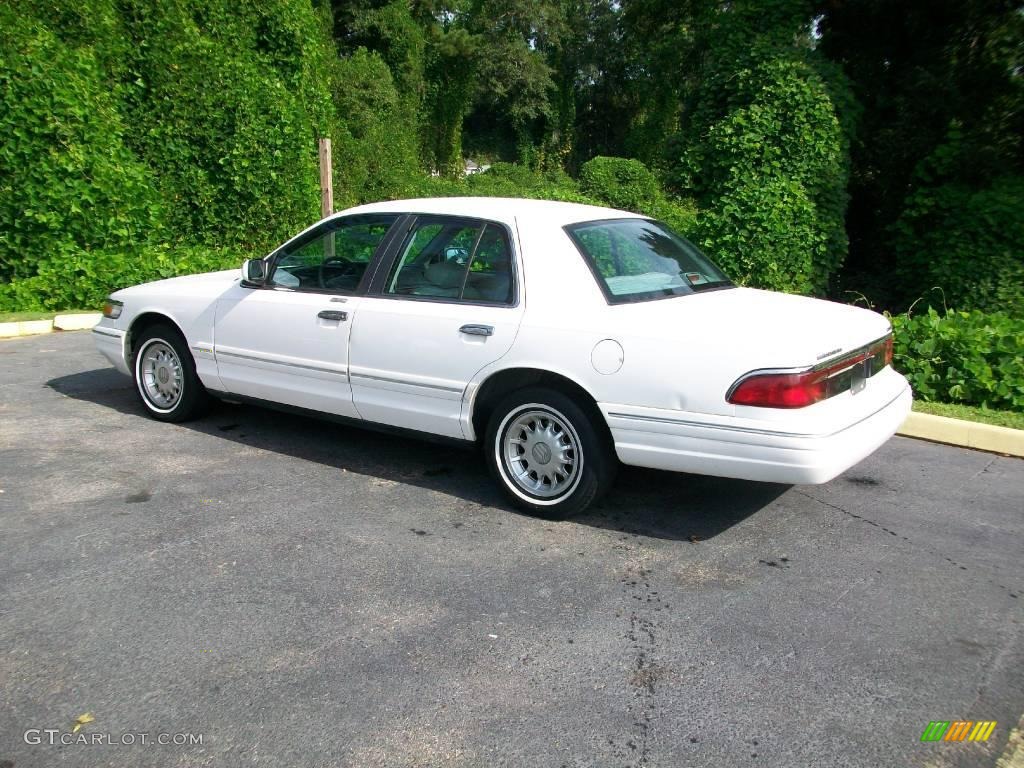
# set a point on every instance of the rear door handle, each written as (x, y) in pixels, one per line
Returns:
(477, 330)
(331, 314)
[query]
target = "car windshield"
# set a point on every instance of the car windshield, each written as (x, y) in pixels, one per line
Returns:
(640, 259)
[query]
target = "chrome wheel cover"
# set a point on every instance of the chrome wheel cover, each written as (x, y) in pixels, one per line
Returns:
(540, 453)
(160, 376)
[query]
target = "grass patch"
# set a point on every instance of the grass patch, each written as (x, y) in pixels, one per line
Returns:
(1010, 419)
(19, 317)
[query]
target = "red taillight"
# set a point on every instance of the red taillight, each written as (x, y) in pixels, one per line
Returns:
(781, 390)
(803, 388)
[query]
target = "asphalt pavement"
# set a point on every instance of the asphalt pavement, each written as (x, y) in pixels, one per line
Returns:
(291, 592)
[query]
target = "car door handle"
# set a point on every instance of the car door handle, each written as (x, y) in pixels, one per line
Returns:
(331, 314)
(477, 330)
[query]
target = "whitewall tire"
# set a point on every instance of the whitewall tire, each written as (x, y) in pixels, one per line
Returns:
(547, 453)
(165, 375)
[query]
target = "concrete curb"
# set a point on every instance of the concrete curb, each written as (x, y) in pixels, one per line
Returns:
(967, 434)
(25, 328)
(76, 322)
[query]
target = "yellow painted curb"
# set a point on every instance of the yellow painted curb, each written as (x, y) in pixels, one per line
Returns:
(25, 328)
(967, 434)
(80, 321)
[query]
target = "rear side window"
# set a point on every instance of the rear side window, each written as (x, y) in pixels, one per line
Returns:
(639, 259)
(454, 259)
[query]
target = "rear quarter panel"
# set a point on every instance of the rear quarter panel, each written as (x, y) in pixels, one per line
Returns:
(680, 354)
(566, 316)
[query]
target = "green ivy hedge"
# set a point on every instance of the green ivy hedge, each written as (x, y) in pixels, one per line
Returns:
(620, 182)
(67, 177)
(973, 358)
(627, 184)
(129, 123)
(770, 167)
(83, 279)
(226, 104)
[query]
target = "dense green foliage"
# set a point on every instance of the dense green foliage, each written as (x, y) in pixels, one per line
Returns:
(974, 358)
(225, 108)
(941, 122)
(625, 184)
(961, 246)
(807, 146)
(67, 178)
(85, 278)
(774, 171)
(375, 146)
(127, 127)
(764, 148)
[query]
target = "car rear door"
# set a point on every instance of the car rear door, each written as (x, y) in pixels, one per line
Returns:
(446, 305)
(287, 342)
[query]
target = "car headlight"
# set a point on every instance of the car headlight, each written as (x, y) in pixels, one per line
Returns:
(112, 308)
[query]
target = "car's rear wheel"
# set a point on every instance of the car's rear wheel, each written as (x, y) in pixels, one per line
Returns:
(551, 456)
(165, 376)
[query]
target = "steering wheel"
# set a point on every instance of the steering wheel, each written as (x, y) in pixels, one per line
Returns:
(347, 268)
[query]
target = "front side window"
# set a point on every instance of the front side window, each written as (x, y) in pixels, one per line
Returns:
(331, 258)
(454, 259)
(638, 259)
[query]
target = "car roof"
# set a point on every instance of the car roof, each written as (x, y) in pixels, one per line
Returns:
(503, 209)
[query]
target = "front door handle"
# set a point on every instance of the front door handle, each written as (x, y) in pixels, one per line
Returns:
(330, 314)
(477, 330)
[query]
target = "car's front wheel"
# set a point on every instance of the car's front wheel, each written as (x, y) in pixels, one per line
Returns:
(548, 453)
(165, 376)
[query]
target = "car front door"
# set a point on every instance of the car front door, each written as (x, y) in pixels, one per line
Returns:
(287, 341)
(447, 306)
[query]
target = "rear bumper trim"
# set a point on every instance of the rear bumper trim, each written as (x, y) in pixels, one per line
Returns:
(754, 454)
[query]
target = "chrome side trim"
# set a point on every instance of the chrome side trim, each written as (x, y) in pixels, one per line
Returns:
(406, 382)
(108, 332)
(261, 359)
(707, 425)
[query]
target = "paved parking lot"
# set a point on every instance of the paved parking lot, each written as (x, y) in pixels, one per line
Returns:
(304, 594)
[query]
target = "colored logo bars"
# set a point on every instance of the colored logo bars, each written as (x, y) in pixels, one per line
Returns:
(958, 730)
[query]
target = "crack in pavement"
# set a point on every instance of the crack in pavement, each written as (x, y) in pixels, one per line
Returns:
(1012, 592)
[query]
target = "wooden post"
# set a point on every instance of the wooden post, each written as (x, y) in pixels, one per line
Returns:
(326, 194)
(326, 180)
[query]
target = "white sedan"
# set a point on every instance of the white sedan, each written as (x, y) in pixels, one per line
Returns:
(563, 338)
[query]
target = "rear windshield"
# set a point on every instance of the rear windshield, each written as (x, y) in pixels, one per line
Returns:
(639, 259)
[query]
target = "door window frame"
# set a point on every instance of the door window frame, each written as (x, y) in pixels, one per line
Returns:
(402, 239)
(318, 231)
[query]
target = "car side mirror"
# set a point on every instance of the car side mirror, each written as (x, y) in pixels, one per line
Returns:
(254, 272)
